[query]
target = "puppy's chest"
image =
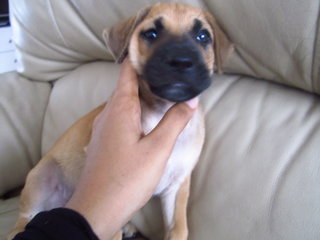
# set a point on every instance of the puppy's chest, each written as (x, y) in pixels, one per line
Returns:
(186, 150)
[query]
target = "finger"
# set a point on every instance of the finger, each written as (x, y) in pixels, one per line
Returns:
(173, 122)
(128, 81)
(98, 118)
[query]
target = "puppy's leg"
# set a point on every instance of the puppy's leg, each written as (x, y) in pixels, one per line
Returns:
(118, 236)
(174, 205)
(44, 190)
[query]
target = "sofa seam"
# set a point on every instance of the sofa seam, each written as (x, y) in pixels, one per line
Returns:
(51, 83)
(13, 209)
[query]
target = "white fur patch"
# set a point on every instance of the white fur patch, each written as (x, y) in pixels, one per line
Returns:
(186, 151)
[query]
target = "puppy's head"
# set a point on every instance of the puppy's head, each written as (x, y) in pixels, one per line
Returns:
(174, 48)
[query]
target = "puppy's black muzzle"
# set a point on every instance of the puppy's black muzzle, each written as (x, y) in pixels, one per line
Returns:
(176, 71)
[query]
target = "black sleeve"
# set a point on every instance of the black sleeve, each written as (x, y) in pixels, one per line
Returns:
(59, 223)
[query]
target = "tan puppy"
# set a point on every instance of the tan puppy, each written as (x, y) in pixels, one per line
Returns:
(174, 48)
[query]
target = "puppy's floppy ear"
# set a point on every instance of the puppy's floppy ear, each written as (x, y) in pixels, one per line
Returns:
(118, 37)
(223, 48)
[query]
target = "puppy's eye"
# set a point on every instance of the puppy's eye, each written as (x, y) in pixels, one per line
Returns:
(203, 37)
(150, 35)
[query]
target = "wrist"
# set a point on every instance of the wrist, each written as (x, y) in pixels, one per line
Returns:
(105, 212)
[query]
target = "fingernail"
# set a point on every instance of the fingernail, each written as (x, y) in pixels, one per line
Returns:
(193, 103)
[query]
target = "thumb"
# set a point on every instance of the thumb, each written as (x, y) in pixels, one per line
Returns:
(173, 122)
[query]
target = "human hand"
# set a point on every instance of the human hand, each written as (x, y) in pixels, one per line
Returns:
(123, 165)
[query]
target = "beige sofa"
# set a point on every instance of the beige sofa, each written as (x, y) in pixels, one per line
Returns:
(259, 173)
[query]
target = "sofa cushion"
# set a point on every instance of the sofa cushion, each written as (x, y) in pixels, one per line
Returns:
(8, 215)
(258, 177)
(275, 40)
(22, 108)
(75, 95)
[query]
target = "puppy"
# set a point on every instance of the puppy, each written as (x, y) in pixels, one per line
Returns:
(174, 49)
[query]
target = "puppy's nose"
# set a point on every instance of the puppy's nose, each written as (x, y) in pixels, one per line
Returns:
(181, 62)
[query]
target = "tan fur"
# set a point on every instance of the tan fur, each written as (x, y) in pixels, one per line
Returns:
(222, 46)
(62, 165)
(180, 228)
(124, 30)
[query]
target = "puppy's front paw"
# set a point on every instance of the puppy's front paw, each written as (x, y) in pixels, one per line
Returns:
(129, 231)
(177, 234)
